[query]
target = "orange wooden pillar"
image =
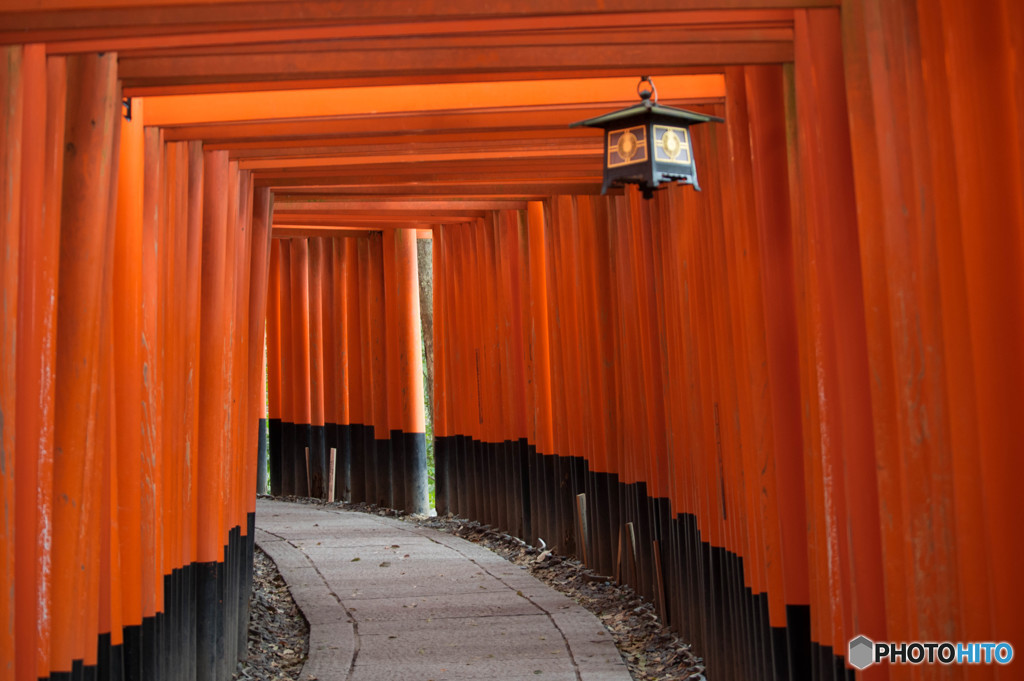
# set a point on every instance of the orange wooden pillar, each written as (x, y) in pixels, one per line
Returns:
(190, 419)
(738, 430)
(846, 481)
(753, 528)
(930, 175)
(341, 308)
(478, 496)
(315, 333)
(356, 366)
(502, 394)
(635, 439)
(175, 476)
(567, 347)
(226, 587)
(541, 417)
(624, 380)
(213, 324)
(92, 107)
(638, 440)
(470, 378)
(11, 112)
(366, 347)
(376, 349)
(511, 358)
(766, 90)
(394, 460)
(154, 213)
(410, 372)
(895, 202)
(56, 100)
(275, 386)
(104, 584)
(288, 424)
(561, 342)
(261, 298)
(29, 352)
(331, 342)
(606, 408)
(595, 442)
(255, 424)
(100, 563)
(589, 517)
(301, 395)
(524, 359)
(451, 270)
(982, 55)
(128, 383)
(237, 437)
(35, 332)
(487, 435)
(523, 356)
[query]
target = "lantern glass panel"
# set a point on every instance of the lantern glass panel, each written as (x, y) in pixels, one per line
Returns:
(672, 145)
(627, 146)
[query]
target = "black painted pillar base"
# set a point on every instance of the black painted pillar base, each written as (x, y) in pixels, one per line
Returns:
(521, 462)
(396, 465)
(287, 477)
(441, 487)
(275, 456)
(208, 621)
(417, 494)
(343, 463)
(317, 462)
(302, 441)
(370, 464)
(382, 485)
(150, 648)
(132, 653)
(357, 465)
(261, 458)
(109, 659)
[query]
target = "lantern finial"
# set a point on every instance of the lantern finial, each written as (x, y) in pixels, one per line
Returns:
(647, 94)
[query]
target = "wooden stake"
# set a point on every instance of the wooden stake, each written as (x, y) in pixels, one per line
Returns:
(631, 538)
(659, 583)
(581, 525)
(309, 483)
(332, 463)
(618, 559)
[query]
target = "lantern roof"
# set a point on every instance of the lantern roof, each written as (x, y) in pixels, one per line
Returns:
(647, 107)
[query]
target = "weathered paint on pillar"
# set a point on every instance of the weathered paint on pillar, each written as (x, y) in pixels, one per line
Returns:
(85, 205)
(36, 331)
(11, 93)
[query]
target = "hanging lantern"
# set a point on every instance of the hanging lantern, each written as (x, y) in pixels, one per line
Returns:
(648, 144)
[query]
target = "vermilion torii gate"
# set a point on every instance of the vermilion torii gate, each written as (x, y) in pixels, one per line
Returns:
(790, 402)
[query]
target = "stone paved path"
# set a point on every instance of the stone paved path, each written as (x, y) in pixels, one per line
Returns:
(389, 600)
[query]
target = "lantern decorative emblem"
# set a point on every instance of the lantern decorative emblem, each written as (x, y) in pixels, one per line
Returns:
(648, 144)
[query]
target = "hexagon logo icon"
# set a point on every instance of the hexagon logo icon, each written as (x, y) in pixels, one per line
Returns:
(862, 652)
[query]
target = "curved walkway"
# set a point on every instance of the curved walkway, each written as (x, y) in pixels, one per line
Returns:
(390, 600)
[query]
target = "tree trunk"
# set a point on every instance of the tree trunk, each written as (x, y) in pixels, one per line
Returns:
(426, 274)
